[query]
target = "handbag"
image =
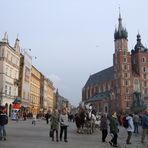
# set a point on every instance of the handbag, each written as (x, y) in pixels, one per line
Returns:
(51, 133)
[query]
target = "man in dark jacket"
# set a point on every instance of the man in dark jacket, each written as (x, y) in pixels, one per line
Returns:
(3, 122)
(144, 126)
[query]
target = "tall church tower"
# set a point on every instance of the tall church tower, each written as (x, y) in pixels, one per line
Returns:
(122, 68)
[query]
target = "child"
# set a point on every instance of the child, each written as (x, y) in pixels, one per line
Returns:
(34, 120)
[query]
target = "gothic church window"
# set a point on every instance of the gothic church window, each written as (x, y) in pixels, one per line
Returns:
(143, 59)
(145, 83)
(125, 60)
(144, 76)
(144, 69)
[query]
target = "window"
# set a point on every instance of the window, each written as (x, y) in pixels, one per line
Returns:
(106, 109)
(144, 76)
(126, 104)
(125, 60)
(10, 90)
(124, 52)
(143, 59)
(127, 90)
(125, 75)
(126, 82)
(145, 91)
(6, 70)
(5, 89)
(15, 91)
(144, 69)
(145, 83)
(10, 72)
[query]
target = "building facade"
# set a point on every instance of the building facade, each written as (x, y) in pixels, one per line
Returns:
(9, 72)
(25, 80)
(48, 99)
(35, 91)
(124, 85)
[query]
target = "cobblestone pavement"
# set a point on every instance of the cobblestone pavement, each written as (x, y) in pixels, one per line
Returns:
(25, 135)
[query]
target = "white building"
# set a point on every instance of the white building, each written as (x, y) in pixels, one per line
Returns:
(9, 72)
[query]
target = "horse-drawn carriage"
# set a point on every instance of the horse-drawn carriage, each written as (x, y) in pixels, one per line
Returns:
(85, 119)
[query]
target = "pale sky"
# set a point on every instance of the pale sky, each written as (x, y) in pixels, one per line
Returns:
(72, 39)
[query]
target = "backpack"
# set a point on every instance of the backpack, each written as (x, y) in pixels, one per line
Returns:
(125, 122)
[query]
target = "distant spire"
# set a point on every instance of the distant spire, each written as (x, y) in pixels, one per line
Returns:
(57, 92)
(17, 44)
(5, 38)
(120, 21)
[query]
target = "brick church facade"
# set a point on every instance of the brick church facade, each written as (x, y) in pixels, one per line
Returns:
(124, 85)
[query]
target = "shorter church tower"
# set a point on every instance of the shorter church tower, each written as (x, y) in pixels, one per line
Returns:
(140, 70)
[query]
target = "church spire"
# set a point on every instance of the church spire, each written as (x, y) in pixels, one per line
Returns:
(16, 45)
(120, 21)
(121, 32)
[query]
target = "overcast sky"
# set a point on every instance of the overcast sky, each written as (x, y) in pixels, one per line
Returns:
(72, 39)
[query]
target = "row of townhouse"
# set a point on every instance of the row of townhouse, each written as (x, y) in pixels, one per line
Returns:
(20, 80)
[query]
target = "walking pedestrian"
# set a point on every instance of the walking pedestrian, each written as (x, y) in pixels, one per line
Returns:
(3, 122)
(104, 127)
(114, 129)
(136, 123)
(130, 128)
(144, 126)
(54, 124)
(34, 120)
(47, 116)
(63, 124)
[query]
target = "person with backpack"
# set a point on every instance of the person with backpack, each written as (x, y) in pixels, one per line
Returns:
(130, 128)
(144, 126)
(3, 122)
(104, 127)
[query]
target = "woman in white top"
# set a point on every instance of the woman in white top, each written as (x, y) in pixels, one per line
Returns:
(130, 128)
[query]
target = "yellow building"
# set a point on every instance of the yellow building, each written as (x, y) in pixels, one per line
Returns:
(35, 91)
(48, 101)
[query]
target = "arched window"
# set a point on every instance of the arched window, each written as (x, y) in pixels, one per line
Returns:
(143, 59)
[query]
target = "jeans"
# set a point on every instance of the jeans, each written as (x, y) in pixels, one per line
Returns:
(114, 139)
(2, 131)
(63, 129)
(136, 127)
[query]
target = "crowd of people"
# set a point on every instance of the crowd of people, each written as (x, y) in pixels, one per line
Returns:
(59, 122)
(132, 120)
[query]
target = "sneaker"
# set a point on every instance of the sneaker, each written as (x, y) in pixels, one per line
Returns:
(128, 143)
(4, 139)
(115, 145)
(110, 143)
(65, 141)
